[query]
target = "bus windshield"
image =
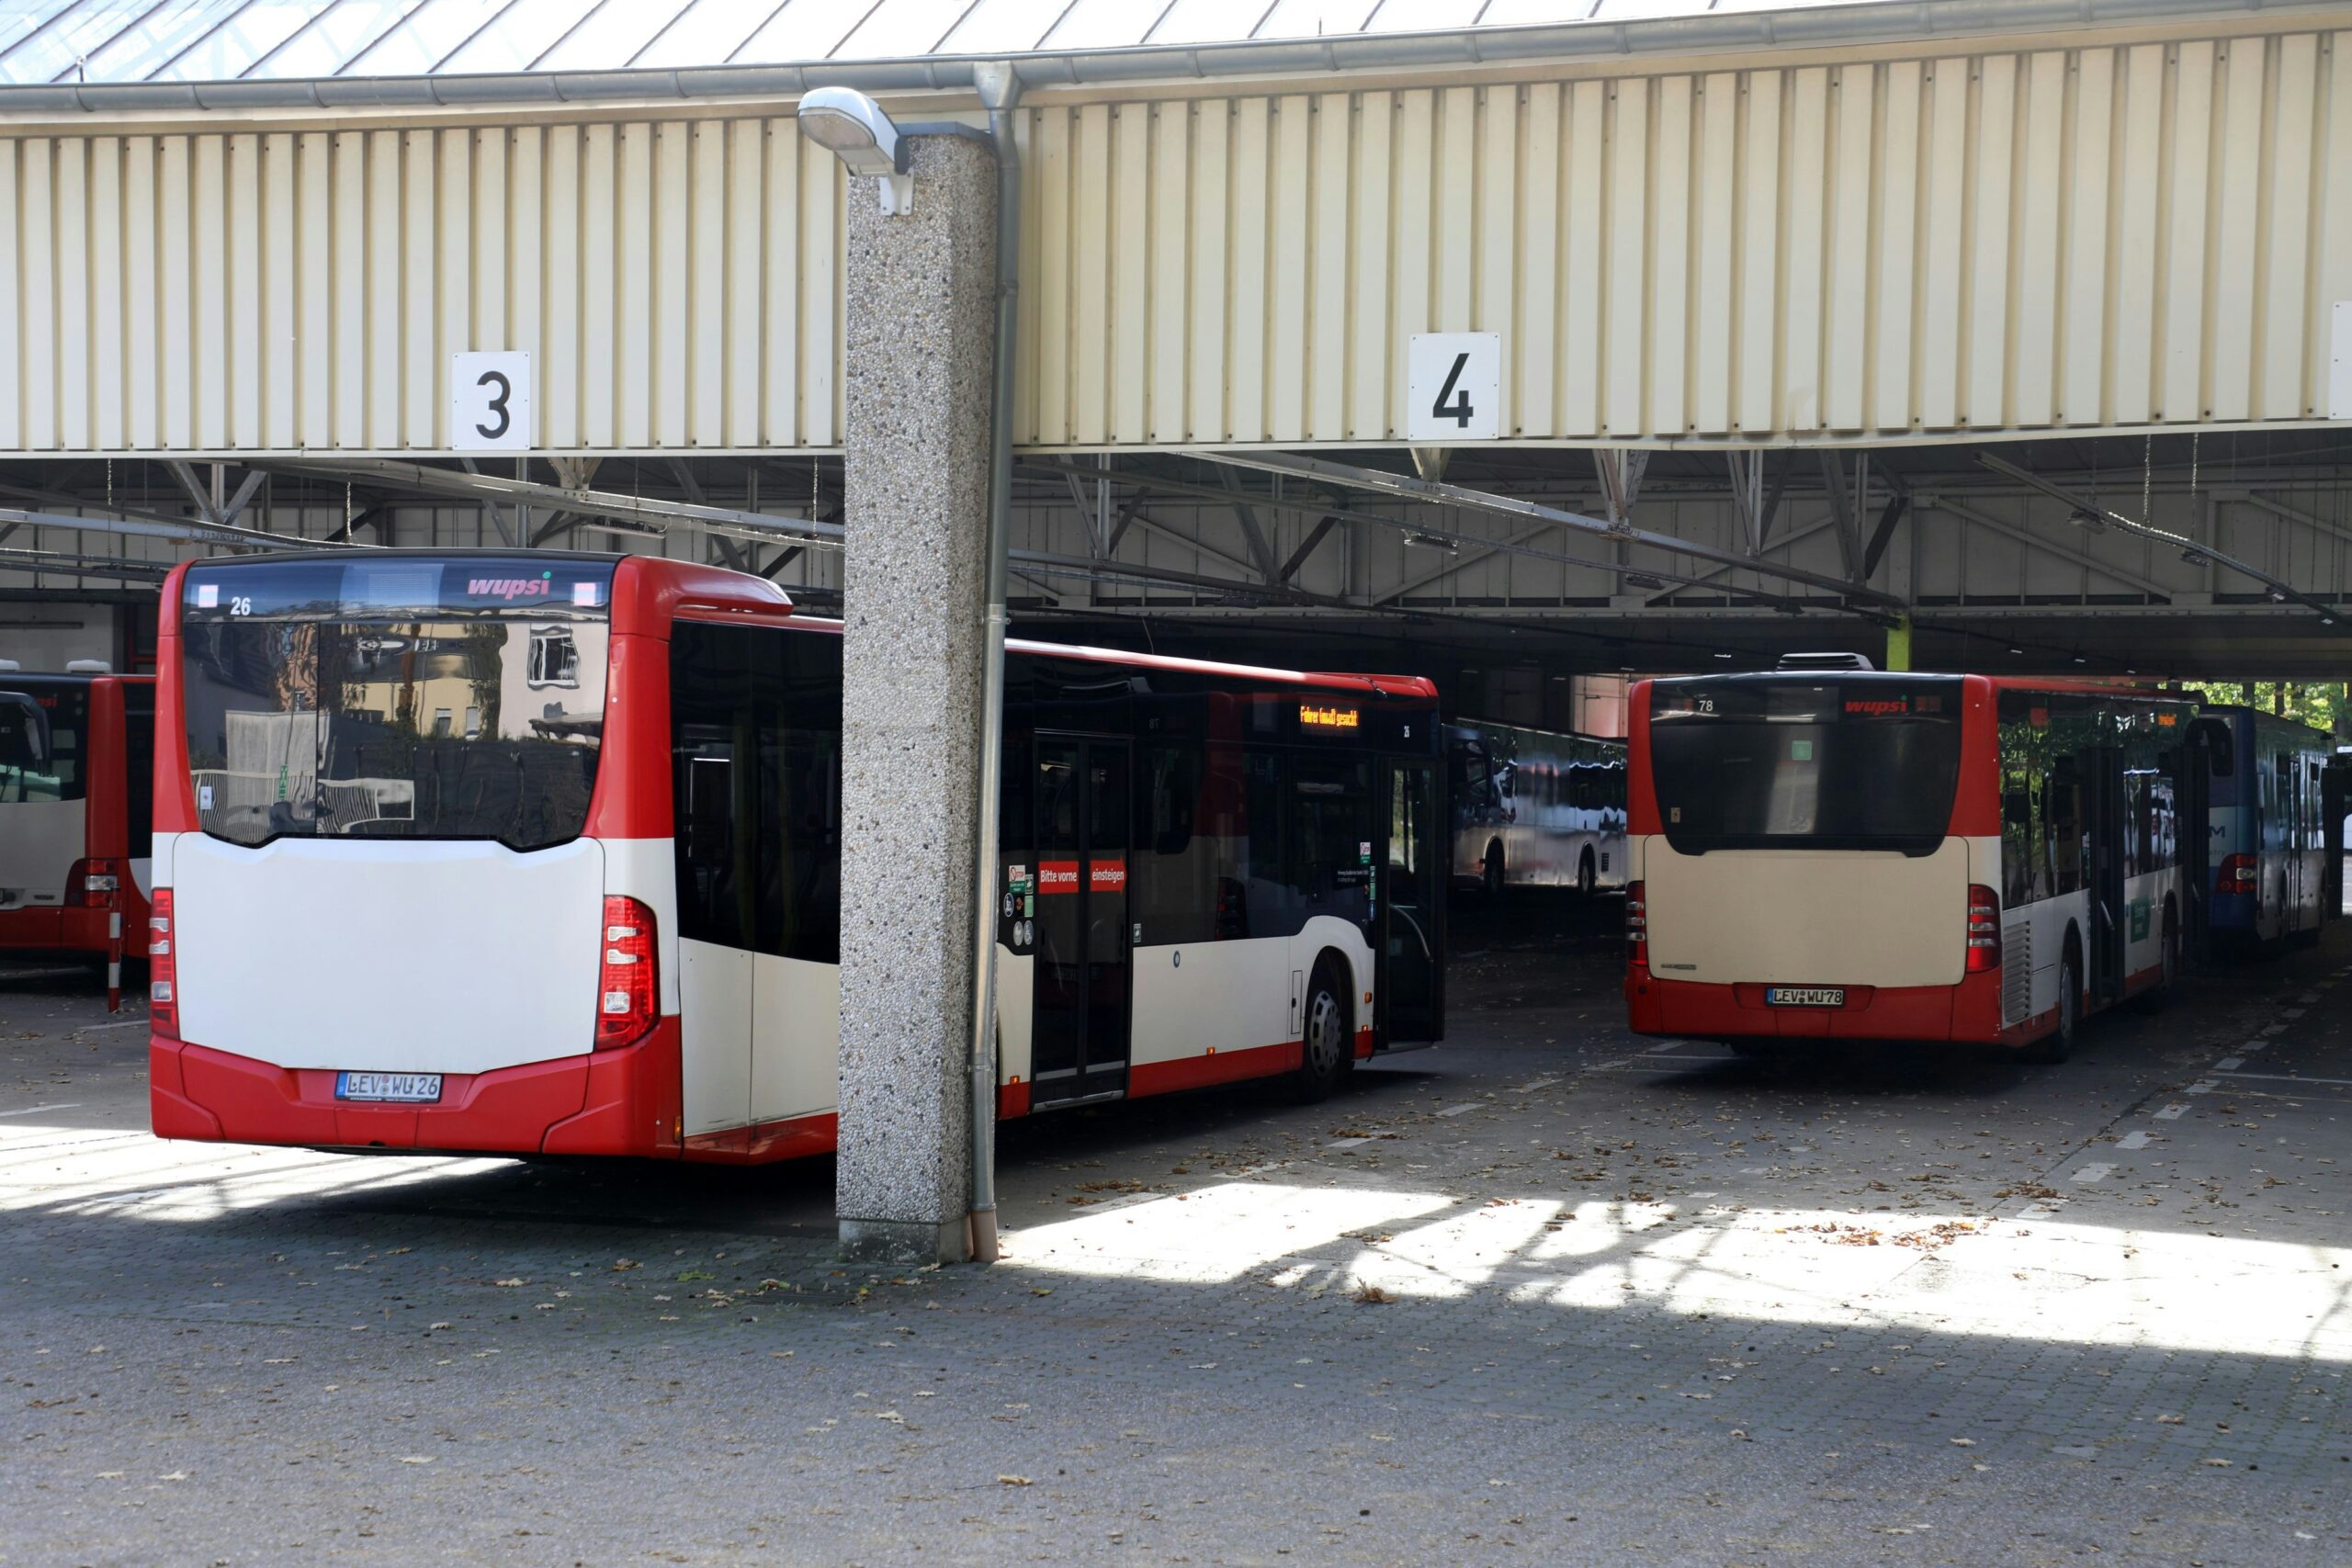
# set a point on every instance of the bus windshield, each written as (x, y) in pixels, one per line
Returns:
(1810, 764)
(43, 727)
(395, 696)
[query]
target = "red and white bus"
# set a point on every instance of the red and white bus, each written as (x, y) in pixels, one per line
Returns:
(76, 767)
(542, 855)
(1847, 854)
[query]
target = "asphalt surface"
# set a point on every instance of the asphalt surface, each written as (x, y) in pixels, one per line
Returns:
(1547, 1293)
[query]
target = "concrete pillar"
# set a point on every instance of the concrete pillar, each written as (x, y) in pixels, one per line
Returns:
(919, 349)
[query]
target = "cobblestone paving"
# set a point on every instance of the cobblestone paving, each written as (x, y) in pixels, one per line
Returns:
(1548, 1294)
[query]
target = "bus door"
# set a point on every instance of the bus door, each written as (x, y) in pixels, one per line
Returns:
(1411, 965)
(2106, 824)
(2335, 800)
(1083, 968)
(2192, 775)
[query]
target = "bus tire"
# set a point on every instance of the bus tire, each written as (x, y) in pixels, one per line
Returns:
(1587, 880)
(1491, 875)
(1328, 1046)
(2059, 1043)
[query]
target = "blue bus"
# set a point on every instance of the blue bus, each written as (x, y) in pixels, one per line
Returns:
(2268, 830)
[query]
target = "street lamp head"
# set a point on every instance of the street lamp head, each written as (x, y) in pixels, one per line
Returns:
(854, 127)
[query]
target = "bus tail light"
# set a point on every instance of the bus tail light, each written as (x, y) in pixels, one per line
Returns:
(627, 997)
(1984, 930)
(92, 884)
(163, 967)
(1637, 924)
(2239, 874)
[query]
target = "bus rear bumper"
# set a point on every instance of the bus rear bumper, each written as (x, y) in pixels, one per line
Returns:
(55, 928)
(605, 1103)
(1968, 1011)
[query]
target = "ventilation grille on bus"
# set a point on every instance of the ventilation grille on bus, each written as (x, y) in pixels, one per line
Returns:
(2017, 971)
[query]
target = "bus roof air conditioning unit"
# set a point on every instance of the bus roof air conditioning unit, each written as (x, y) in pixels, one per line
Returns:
(89, 667)
(1824, 661)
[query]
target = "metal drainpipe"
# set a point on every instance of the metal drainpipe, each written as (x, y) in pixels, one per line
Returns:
(999, 89)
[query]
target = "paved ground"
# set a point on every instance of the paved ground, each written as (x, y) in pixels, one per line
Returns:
(1547, 1294)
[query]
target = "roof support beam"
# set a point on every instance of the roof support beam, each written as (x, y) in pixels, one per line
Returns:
(1299, 556)
(2008, 530)
(1415, 584)
(1508, 506)
(644, 512)
(2279, 591)
(1791, 537)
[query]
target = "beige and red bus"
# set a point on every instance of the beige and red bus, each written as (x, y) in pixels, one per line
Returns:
(1824, 853)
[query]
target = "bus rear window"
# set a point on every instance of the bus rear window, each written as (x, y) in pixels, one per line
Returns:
(395, 697)
(1861, 765)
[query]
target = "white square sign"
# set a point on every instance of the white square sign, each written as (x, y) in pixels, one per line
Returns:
(2339, 363)
(1453, 387)
(490, 400)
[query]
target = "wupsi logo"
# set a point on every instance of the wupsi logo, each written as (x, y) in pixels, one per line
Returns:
(508, 588)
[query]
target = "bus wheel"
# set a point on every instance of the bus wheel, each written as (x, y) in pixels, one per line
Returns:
(1586, 879)
(2059, 1045)
(1329, 1049)
(1494, 870)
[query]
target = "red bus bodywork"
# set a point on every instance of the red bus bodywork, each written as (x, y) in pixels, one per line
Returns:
(68, 911)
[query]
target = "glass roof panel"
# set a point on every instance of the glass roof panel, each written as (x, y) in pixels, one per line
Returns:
(607, 38)
(1105, 24)
(1314, 19)
(802, 29)
(516, 36)
(40, 42)
(1012, 26)
(900, 27)
(704, 33)
(1423, 15)
(1209, 21)
(150, 41)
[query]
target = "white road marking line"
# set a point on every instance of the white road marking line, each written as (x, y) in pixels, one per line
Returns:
(2098, 1170)
(1665, 1047)
(2274, 1028)
(1459, 1109)
(126, 1023)
(1534, 1084)
(2134, 1140)
(2308, 997)
(2290, 1012)
(2202, 1086)
(28, 1110)
(2229, 1063)
(2291, 1077)
(1346, 1143)
(2255, 1045)
(2172, 1112)
(2041, 1209)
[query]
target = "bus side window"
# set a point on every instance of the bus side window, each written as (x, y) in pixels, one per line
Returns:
(1267, 909)
(710, 734)
(1174, 893)
(2065, 827)
(138, 758)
